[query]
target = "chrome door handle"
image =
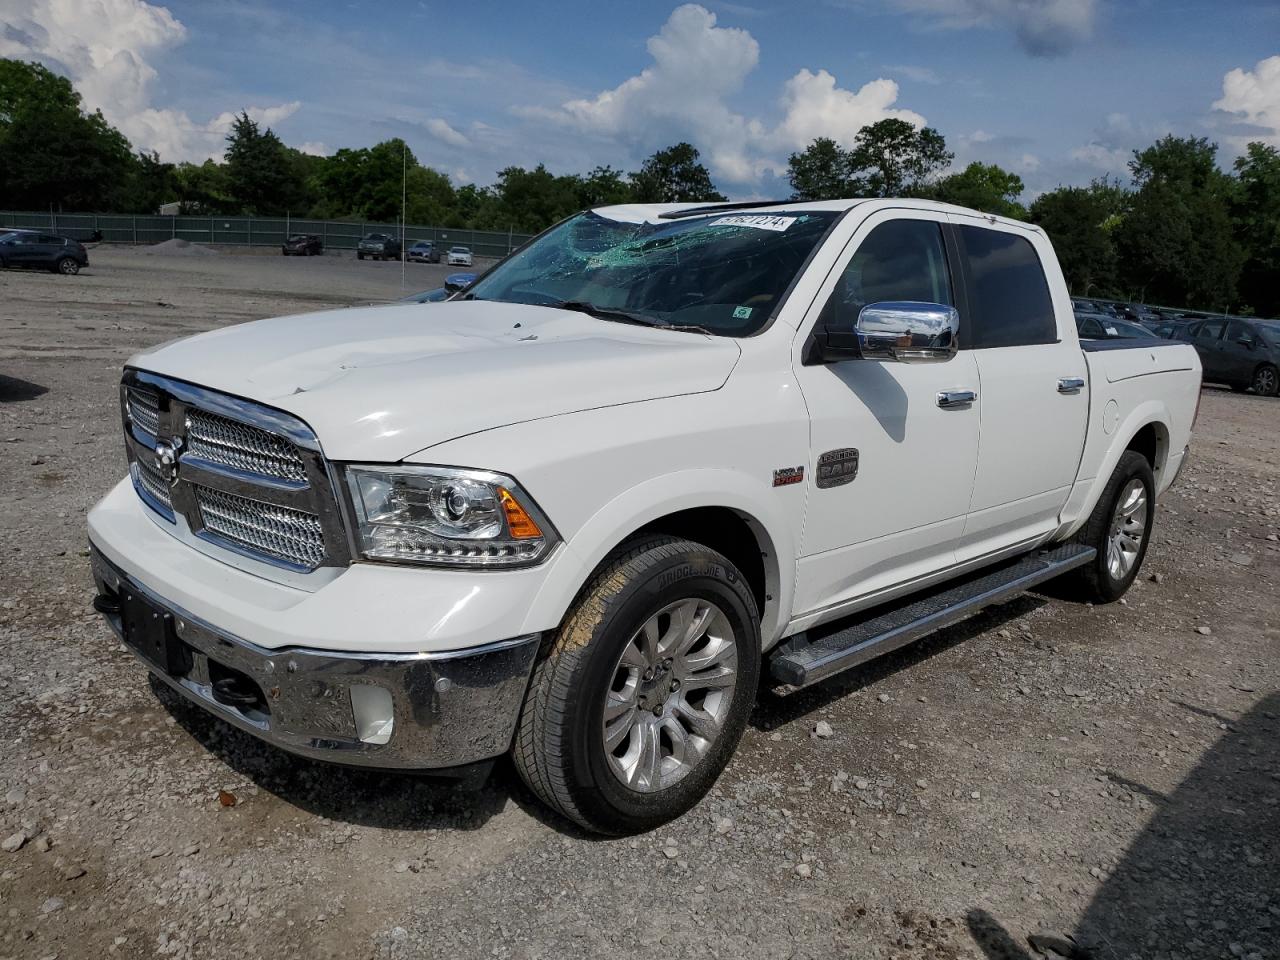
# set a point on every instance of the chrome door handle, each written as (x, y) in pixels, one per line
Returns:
(947, 399)
(1070, 384)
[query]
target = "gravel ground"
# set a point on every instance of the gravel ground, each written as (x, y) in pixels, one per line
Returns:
(1105, 780)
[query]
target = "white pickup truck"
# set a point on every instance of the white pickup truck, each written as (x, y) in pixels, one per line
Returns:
(577, 511)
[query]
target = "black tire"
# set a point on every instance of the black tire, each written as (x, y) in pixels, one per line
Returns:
(1266, 381)
(559, 748)
(359, 256)
(67, 266)
(1096, 581)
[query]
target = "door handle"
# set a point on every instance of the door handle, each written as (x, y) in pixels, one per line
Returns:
(947, 399)
(1070, 384)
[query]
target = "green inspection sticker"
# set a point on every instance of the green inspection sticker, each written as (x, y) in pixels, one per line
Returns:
(742, 313)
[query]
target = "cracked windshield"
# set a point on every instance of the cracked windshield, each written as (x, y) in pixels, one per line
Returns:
(725, 274)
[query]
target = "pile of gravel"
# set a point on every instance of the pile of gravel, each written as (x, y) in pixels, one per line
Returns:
(180, 248)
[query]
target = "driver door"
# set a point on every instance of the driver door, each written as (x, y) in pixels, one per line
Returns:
(900, 517)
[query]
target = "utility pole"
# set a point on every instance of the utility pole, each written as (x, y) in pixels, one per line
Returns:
(404, 194)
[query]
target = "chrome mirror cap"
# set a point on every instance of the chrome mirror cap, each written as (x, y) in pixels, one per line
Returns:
(908, 332)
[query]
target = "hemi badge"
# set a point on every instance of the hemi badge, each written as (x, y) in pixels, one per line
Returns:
(836, 467)
(785, 476)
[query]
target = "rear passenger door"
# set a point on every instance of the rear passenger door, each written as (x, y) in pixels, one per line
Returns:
(1239, 352)
(1033, 413)
(1207, 339)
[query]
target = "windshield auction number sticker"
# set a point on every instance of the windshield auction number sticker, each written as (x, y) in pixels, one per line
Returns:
(757, 220)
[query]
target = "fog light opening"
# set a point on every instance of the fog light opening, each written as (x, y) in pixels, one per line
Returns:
(373, 712)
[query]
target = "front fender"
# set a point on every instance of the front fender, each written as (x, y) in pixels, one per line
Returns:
(658, 497)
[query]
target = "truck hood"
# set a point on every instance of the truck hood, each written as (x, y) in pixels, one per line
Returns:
(381, 383)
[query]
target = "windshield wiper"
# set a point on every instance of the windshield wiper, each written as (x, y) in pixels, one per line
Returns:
(625, 316)
(607, 313)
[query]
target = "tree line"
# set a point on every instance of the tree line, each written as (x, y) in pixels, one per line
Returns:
(1180, 231)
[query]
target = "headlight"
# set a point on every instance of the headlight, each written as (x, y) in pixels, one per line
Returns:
(446, 517)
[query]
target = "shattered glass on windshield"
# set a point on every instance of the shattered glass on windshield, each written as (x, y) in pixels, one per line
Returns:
(720, 274)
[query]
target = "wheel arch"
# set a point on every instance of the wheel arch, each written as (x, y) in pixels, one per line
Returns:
(720, 509)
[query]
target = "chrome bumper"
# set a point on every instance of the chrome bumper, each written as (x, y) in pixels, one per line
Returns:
(445, 709)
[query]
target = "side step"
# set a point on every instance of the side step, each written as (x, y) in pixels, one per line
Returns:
(816, 654)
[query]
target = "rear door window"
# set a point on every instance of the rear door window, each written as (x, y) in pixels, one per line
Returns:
(1210, 330)
(1009, 300)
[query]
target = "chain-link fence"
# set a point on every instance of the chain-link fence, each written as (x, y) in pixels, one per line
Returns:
(251, 231)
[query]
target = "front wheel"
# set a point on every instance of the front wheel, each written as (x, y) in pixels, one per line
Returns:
(642, 696)
(1266, 382)
(1119, 529)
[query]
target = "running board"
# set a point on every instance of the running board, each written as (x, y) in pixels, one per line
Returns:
(816, 654)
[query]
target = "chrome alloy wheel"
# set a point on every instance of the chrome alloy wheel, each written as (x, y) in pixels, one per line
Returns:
(1128, 529)
(670, 694)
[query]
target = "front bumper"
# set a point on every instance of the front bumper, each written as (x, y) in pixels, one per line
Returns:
(395, 711)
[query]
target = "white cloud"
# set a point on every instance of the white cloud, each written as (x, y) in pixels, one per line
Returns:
(105, 47)
(1043, 27)
(1254, 96)
(315, 148)
(816, 107)
(1108, 159)
(914, 73)
(441, 130)
(1030, 161)
(684, 95)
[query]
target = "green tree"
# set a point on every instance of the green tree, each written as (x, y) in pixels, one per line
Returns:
(602, 187)
(891, 158)
(674, 175)
(1176, 244)
(1256, 214)
(261, 177)
(982, 186)
(822, 171)
(529, 200)
(202, 188)
(1080, 222)
(52, 153)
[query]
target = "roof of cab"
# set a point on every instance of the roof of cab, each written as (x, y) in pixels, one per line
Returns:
(653, 212)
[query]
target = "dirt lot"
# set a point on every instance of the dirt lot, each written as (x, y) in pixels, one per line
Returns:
(1106, 774)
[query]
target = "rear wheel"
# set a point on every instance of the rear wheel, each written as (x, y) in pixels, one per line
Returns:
(1266, 382)
(67, 266)
(1119, 529)
(641, 698)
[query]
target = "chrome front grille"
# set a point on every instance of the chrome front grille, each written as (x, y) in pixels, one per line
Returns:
(240, 476)
(143, 408)
(146, 475)
(290, 535)
(222, 440)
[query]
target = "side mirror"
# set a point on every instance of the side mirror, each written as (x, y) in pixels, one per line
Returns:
(908, 332)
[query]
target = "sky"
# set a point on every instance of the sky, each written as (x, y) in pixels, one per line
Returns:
(1059, 91)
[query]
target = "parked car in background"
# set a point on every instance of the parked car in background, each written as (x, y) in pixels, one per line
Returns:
(1243, 354)
(458, 281)
(423, 251)
(378, 246)
(43, 251)
(1170, 329)
(1139, 313)
(302, 245)
(459, 257)
(1081, 305)
(1097, 326)
(434, 295)
(452, 284)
